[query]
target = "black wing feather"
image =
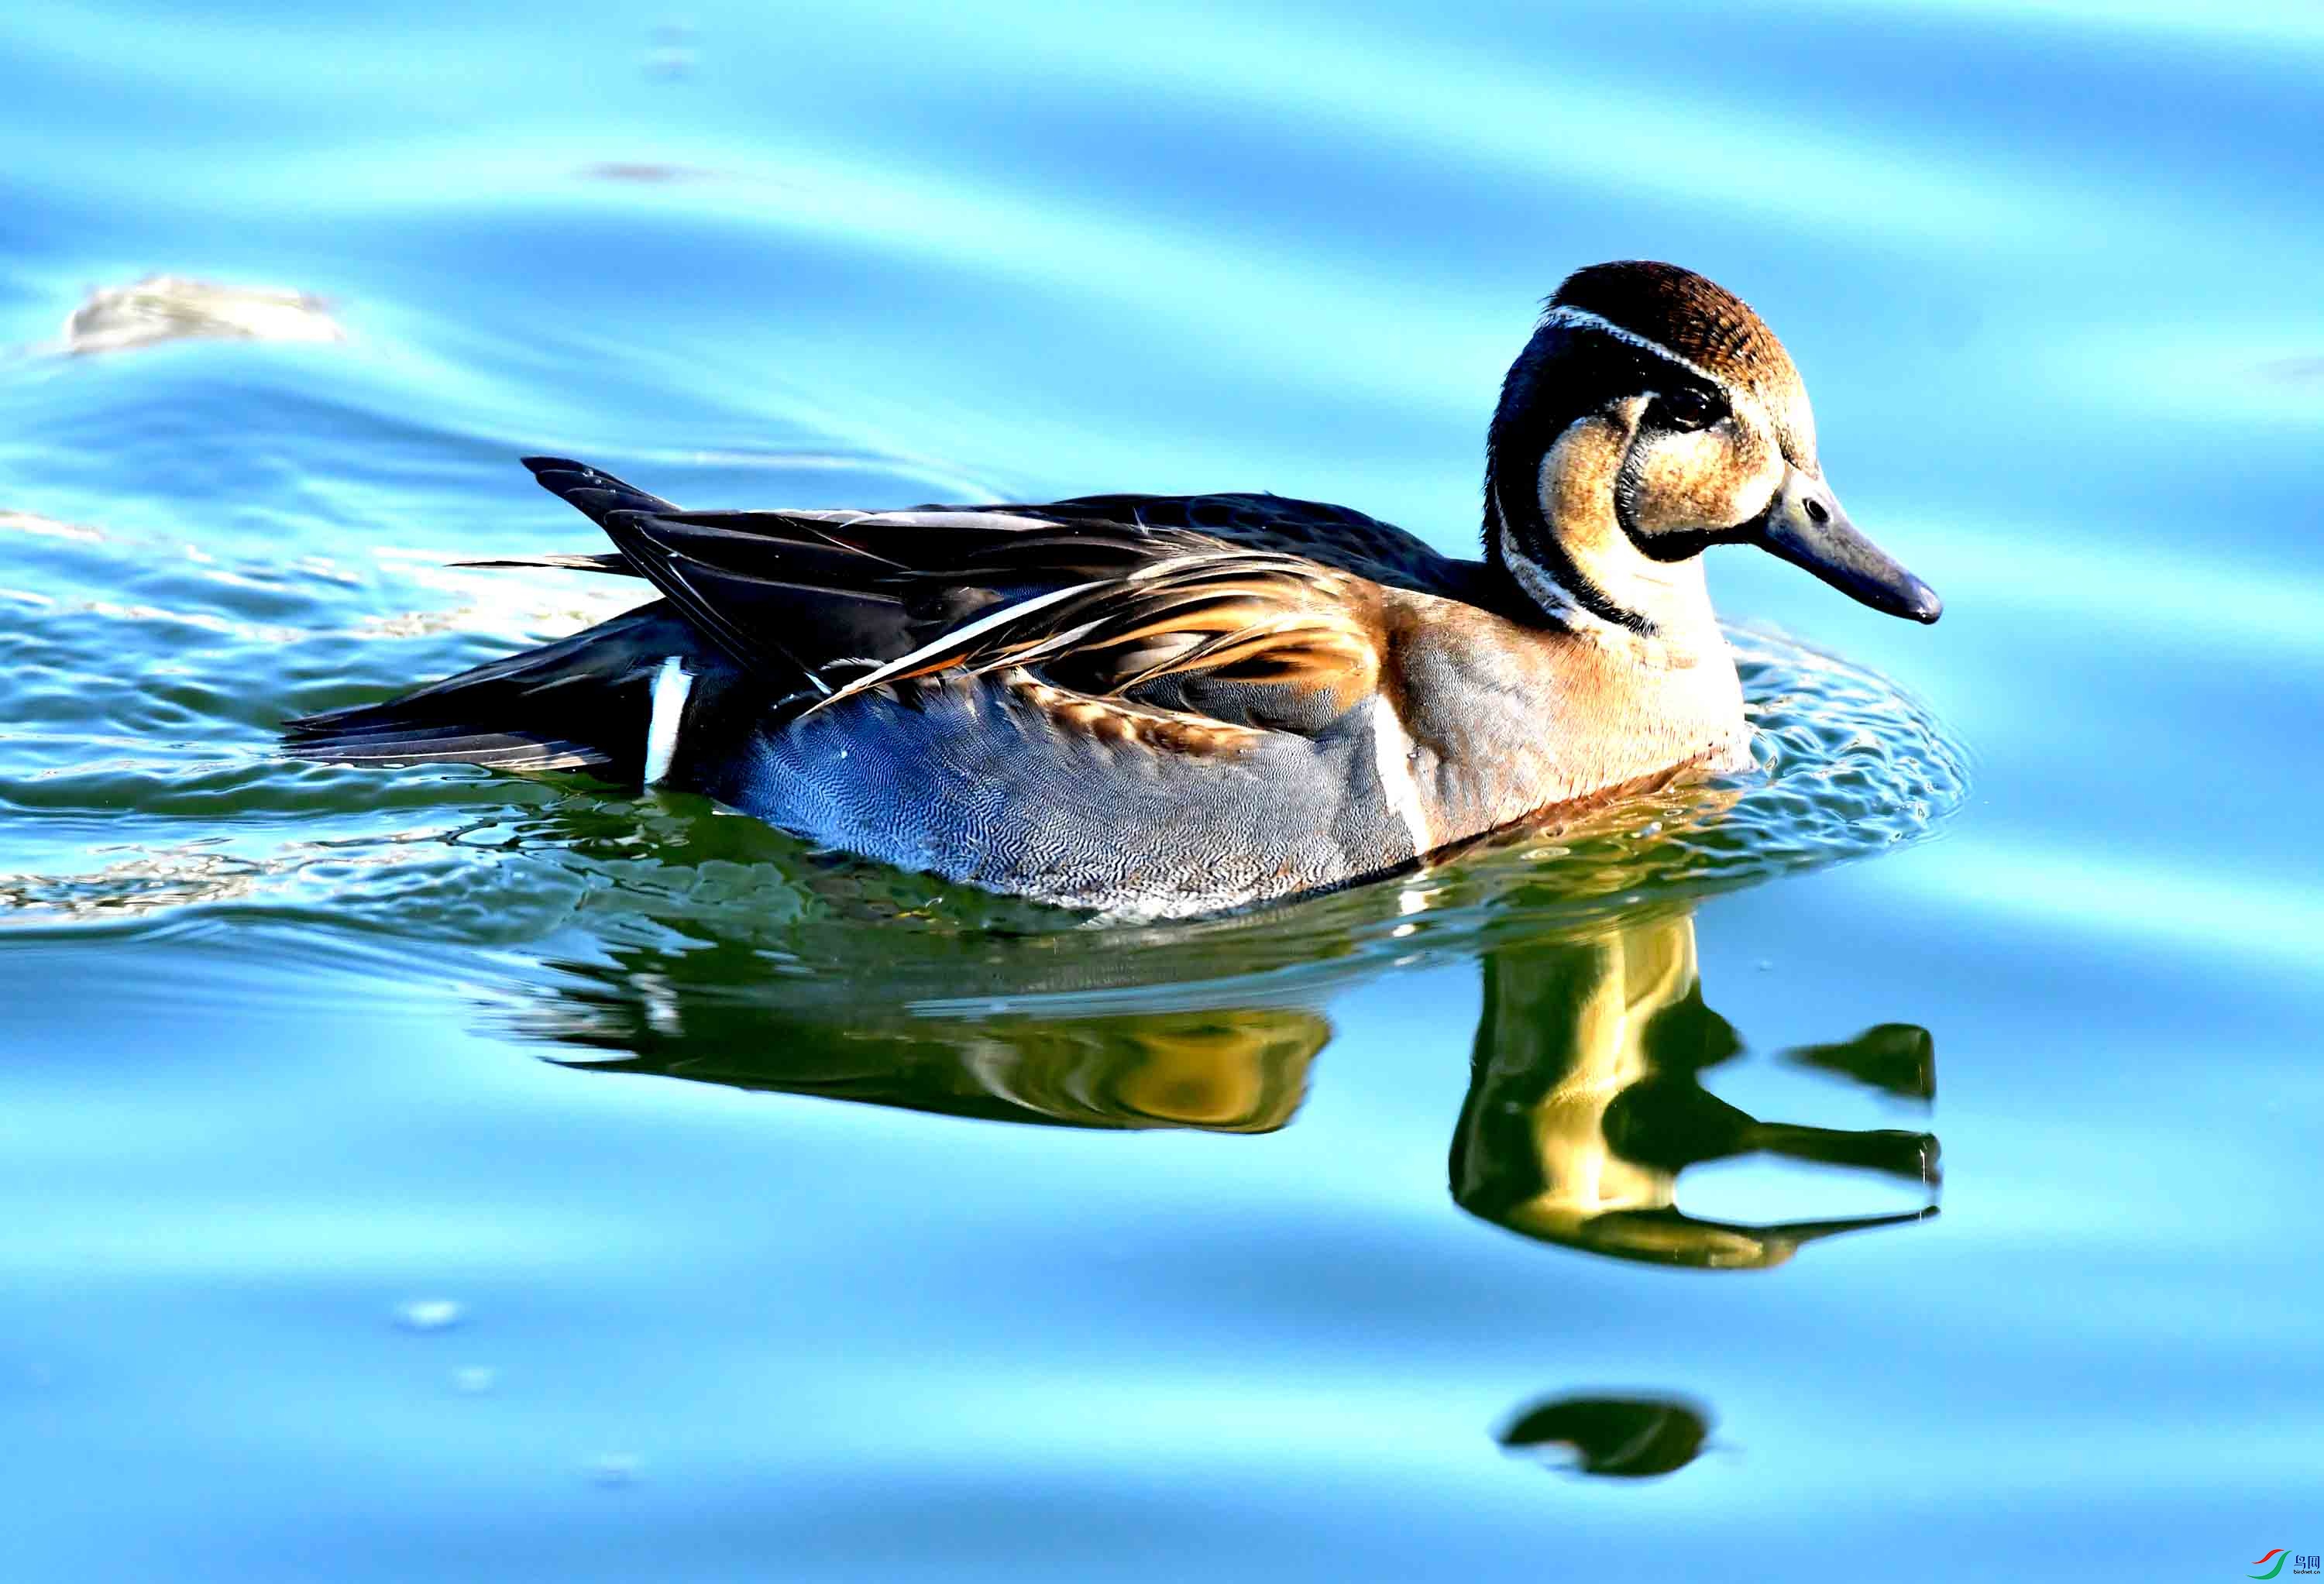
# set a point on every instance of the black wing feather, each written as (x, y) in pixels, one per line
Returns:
(580, 702)
(822, 594)
(1228, 606)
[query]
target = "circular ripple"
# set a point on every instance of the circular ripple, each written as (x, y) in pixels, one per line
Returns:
(1848, 764)
(718, 919)
(673, 892)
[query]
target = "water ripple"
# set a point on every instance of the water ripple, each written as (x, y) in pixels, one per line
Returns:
(1847, 765)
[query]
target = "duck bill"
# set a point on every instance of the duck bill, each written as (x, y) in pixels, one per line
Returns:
(1805, 526)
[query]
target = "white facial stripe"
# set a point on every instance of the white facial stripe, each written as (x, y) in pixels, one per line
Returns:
(1392, 757)
(1541, 586)
(1544, 590)
(671, 683)
(1798, 418)
(1583, 320)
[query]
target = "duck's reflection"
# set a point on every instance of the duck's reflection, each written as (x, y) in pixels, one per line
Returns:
(1898, 1059)
(1235, 1070)
(1584, 1104)
(1625, 1438)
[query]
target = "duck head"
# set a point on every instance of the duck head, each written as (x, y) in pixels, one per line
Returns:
(1652, 416)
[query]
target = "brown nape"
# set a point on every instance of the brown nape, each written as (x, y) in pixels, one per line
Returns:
(1699, 320)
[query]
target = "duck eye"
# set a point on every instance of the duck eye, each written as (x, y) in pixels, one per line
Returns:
(1686, 409)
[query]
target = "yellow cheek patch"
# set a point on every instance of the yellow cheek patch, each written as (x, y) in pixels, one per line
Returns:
(1713, 479)
(1577, 482)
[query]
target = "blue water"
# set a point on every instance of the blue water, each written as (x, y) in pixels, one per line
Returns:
(431, 1174)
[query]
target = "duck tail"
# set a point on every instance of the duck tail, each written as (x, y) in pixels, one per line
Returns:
(595, 494)
(610, 700)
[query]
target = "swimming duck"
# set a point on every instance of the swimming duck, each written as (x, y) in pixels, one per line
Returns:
(1176, 704)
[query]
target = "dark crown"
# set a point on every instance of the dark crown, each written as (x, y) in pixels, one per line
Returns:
(1699, 320)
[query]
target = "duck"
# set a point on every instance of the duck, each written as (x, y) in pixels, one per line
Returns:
(1173, 705)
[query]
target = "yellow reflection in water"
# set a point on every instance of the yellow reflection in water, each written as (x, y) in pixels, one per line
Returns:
(1586, 1102)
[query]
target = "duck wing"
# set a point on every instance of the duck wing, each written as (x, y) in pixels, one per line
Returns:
(1251, 610)
(1243, 638)
(1313, 531)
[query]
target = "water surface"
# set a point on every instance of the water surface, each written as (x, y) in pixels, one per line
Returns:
(1903, 1159)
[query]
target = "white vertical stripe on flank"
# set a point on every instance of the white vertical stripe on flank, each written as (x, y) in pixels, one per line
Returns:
(670, 685)
(1392, 757)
